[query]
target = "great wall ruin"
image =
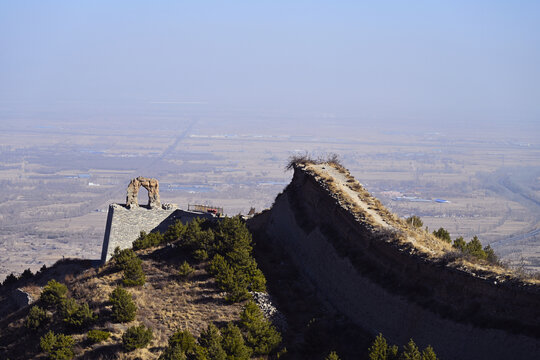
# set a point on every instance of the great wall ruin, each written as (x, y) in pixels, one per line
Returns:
(370, 268)
(387, 279)
(126, 221)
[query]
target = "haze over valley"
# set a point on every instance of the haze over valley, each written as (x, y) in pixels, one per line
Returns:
(58, 177)
(432, 106)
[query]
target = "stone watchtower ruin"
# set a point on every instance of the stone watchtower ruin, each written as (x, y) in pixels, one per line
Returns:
(152, 185)
(125, 222)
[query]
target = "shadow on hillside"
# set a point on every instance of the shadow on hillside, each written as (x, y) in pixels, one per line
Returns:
(103, 352)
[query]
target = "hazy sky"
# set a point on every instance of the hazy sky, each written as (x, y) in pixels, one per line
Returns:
(439, 60)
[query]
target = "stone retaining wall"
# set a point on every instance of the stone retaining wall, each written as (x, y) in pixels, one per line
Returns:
(124, 225)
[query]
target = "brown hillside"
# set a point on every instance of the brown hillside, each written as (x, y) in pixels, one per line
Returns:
(165, 303)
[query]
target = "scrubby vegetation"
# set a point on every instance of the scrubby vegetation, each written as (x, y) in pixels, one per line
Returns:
(57, 346)
(443, 234)
(255, 336)
(473, 249)
(381, 350)
(53, 294)
(128, 261)
(332, 356)
(261, 335)
(133, 273)
(136, 337)
(415, 221)
(185, 270)
(123, 307)
(77, 315)
(227, 243)
(37, 317)
(145, 240)
(97, 336)
(305, 158)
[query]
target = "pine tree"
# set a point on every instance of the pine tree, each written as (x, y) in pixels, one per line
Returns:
(122, 257)
(474, 247)
(490, 255)
(332, 356)
(261, 336)
(133, 273)
(415, 221)
(174, 232)
(53, 293)
(184, 340)
(393, 352)
(136, 337)
(443, 234)
(233, 343)
(429, 354)
(411, 352)
(379, 349)
(123, 307)
(77, 315)
(185, 270)
(459, 243)
(210, 340)
(57, 346)
(37, 317)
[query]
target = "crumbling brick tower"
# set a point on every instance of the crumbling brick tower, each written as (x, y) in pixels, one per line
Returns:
(152, 185)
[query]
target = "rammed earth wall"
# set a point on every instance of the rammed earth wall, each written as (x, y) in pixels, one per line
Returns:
(385, 287)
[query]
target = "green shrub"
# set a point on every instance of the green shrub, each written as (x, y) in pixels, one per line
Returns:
(256, 279)
(210, 342)
(96, 336)
(145, 240)
(200, 255)
(123, 307)
(261, 336)
(415, 221)
(123, 257)
(77, 315)
(429, 354)
(136, 337)
(185, 270)
(459, 243)
(183, 340)
(53, 293)
(232, 280)
(411, 352)
(174, 232)
(379, 349)
(181, 346)
(57, 346)
(175, 353)
(490, 255)
(443, 234)
(133, 273)
(233, 343)
(474, 248)
(26, 275)
(10, 280)
(37, 317)
(228, 243)
(332, 356)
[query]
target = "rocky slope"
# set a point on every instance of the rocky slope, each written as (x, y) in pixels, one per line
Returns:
(389, 278)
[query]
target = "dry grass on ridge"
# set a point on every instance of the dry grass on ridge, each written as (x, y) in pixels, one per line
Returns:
(369, 209)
